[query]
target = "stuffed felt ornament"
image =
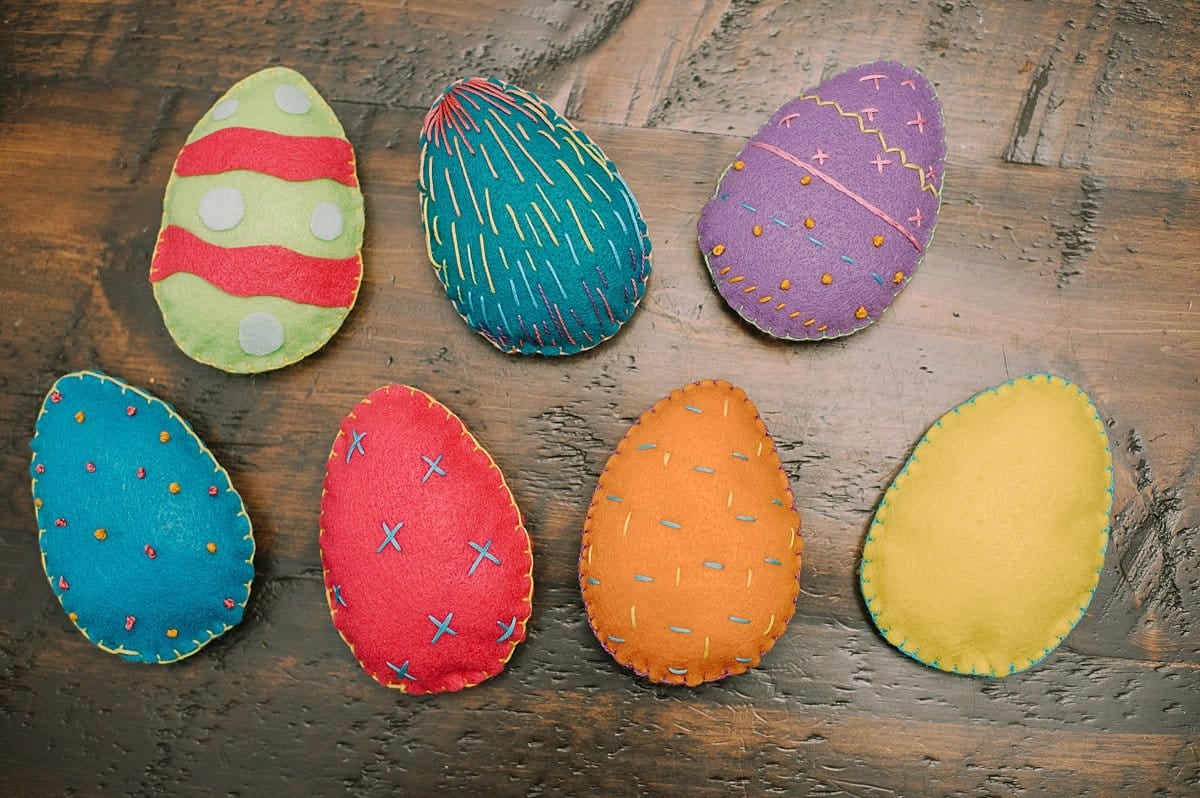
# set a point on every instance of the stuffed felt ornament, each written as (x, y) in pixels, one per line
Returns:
(690, 561)
(825, 214)
(530, 228)
(258, 260)
(986, 549)
(428, 567)
(144, 540)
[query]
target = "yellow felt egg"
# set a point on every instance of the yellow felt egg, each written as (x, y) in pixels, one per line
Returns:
(986, 549)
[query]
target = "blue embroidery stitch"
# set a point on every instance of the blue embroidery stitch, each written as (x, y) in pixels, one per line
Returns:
(670, 524)
(443, 627)
(642, 578)
(508, 628)
(402, 671)
(390, 536)
(736, 619)
(483, 552)
(434, 468)
(356, 445)
(337, 595)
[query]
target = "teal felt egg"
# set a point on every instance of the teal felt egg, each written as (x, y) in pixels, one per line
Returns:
(145, 542)
(531, 230)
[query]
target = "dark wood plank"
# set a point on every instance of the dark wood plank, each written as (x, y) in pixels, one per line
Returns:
(1066, 243)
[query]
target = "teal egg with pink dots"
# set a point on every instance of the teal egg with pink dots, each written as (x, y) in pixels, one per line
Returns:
(145, 541)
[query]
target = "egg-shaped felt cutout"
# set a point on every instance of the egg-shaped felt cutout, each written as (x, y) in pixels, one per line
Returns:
(428, 567)
(826, 212)
(690, 564)
(986, 549)
(144, 540)
(531, 230)
(259, 261)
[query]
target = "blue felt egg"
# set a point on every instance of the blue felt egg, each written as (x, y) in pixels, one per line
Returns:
(144, 540)
(532, 231)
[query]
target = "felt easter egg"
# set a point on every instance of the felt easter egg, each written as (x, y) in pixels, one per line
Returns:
(144, 540)
(428, 567)
(826, 212)
(690, 563)
(987, 547)
(259, 261)
(530, 228)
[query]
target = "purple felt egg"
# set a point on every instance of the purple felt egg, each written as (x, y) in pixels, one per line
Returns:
(827, 211)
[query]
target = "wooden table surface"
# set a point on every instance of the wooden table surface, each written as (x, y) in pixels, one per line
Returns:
(1067, 243)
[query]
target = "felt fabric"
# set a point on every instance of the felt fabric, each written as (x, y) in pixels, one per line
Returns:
(428, 567)
(263, 207)
(986, 549)
(144, 540)
(825, 214)
(690, 562)
(285, 157)
(256, 271)
(530, 228)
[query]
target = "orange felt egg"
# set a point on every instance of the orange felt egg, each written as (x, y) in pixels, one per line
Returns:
(690, 562)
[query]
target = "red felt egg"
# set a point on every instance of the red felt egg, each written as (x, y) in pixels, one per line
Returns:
(428, 567)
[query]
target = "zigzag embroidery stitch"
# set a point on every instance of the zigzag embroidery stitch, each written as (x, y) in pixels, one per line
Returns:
(903, 157)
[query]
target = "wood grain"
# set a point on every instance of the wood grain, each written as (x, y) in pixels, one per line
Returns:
(1066, 243)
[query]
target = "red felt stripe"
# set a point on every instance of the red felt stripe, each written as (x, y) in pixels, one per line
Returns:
(258, 271)
(285, 157)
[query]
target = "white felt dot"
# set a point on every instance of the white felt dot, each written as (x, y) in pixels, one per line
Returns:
(326, 222)
(260, 333)
(291, 100)
(222, 208)
(225, 109)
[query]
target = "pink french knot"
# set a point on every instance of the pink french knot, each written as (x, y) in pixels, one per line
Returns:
(229, 603)
(129, 622)
(55, 397)
(131, 411)
(150, 552)
(212, 490)
(63, 584)
(141, 473)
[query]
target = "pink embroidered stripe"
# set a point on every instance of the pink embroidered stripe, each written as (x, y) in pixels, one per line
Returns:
(812, 170)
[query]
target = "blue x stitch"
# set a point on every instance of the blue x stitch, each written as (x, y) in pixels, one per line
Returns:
(390, 537)
(356, 445)
(483, 552)
(443, 627)
(337, 595)
(402, 671)
(508, 628)
(434, 467)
